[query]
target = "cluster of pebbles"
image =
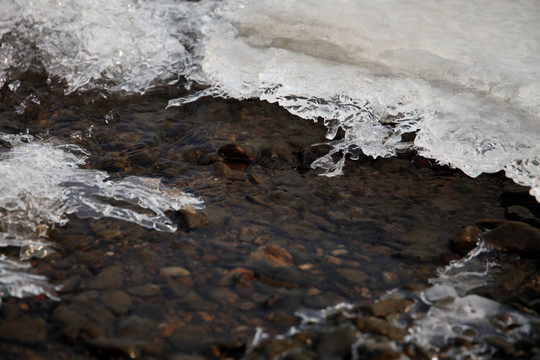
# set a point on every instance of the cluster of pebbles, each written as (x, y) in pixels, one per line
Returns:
(274, 240)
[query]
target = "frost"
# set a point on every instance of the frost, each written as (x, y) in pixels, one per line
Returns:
(41, 182)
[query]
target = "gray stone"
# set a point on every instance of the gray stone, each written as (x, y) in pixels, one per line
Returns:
(118, 301)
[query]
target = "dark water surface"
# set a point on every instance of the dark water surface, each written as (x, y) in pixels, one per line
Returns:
(274, 237)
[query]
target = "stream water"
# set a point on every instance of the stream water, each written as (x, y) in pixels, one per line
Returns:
(161, 193)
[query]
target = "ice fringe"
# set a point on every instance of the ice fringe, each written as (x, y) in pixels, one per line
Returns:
(41, 182)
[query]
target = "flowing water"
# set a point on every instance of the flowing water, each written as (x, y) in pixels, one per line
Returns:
(158, 181)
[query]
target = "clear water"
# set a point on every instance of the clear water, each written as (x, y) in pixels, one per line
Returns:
(41, 182)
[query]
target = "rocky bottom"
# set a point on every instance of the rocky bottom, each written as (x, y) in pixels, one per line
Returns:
(247, 276)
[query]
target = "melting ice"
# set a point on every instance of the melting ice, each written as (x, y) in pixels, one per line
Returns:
(41, 182)
(464, 76)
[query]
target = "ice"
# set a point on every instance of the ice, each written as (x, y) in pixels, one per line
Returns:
(42, 181)
(124, 45)
(464, 76)
(440, 318)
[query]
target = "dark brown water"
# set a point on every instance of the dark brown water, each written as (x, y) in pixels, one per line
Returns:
(274, 237)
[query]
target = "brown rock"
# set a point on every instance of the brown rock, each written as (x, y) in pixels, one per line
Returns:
(24, 328)
(172, 271)
(234, 153)
(274, 254)
(465, 240)
(116, 300)
(146, 290)
(353, 275)
(109, 278)
(386, 307)
(515, 236)
(373, 325)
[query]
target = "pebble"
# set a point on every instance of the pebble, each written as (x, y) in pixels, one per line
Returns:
(146, 290)
(109, 278)
(23, 328)
(353, 275)
(137, 327)
(374, 325)
(386, 307)
(336, 344)
(275, 255)
(172, 271)
(117, 300)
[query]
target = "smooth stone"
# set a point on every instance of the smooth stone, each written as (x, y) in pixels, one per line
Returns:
(146, 290)
(173, 271)
(518, 212)
(188, 338)
(137, 327)
(275, 255)
(193, 218)
(23, 328)
(515, 236)
(224, 296)
(324, 299)
(109, 278)
(193, 302)
(386, 307)
(117, 300)
(336, 344)
(378, 350)
(374, 325)
(466, 239)
(353, 275)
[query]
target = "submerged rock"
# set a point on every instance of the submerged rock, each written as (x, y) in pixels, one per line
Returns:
(516, 237)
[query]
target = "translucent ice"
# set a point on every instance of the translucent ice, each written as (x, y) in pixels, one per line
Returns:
(41, 182)
(124, 45)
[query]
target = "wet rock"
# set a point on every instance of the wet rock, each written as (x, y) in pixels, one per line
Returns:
(109, 278)
(378, 350)
(273, 254)
(374, 325)
(126, 345)
(188, 338)
(234, 153)
(173, 271)
(192, 218)
(193, 154)
(386, 307)
(516, 237)
(519, 213)
(193, 302)
(118, 301)
(224, 296)
(502, 345)
(224, 170)
(415, 255)
(465, 240)
(146, 290)
(323, 299)
(353, 276)
(137, 327)
(24, 328)
(390, 277)
(286, 277)
(336, 344)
